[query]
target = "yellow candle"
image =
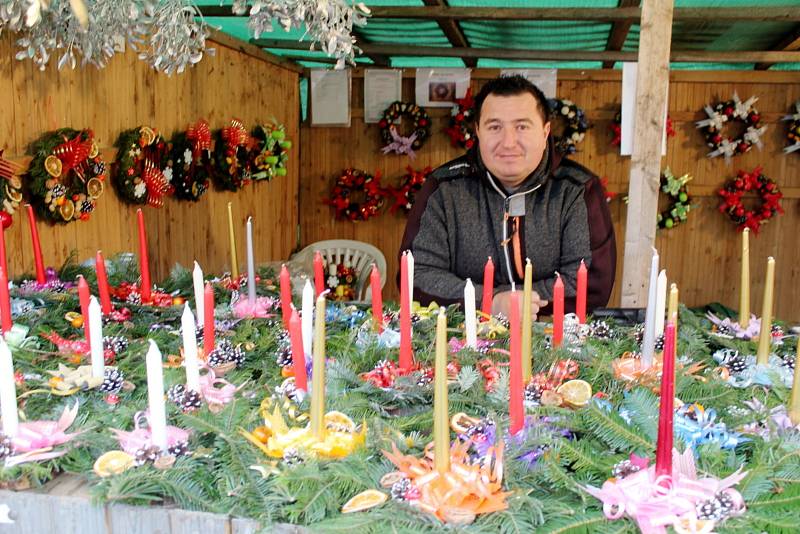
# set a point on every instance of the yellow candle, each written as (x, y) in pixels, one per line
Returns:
(765, 335)
(527, 324)
(672, 308)
(794, 405)
(234, 260)
(441, 419)
(744, 295)
(318, 370)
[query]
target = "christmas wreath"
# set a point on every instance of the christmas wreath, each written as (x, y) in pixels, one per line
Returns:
(66, 175)
(232, 155)
(616, 129)
(341, 281)
(732, 111)
(793, 134)
(351, 183)
(143, 174)
(767, 191)
(679, 199)
(192, 165)
(11, 191)
(575, 125)
(394, 141)
(272, 151)
(462, 122)
(410, 184)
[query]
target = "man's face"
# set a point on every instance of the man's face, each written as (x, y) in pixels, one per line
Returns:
(512, 137)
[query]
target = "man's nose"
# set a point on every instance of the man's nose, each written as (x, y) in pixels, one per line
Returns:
(509, 137)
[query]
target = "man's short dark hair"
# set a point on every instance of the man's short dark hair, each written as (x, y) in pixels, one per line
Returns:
(511, 86)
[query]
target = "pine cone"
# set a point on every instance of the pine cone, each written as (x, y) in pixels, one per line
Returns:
(709, 509)
(112, 380)
(147, 454)
(638, 333)
(117, 344)
(400, 489)
(284, 358)
(86, 206)
(659, 343)
(624, 468)
(6, 446)
(176, 392)
(726, 503)
(788, 361)
(134, 298)
(600, 330)
(533, 392)
(736, 364)
(179, 449)
(725, 330)
(291, 457)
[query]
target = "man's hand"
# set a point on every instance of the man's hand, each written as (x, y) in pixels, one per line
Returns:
(502, 301)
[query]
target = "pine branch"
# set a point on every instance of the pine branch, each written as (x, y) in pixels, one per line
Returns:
(610, 428)
(586, 522)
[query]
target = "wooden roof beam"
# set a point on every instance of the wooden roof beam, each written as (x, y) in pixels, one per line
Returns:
(453, 32)
(619, 32)
(789, 42)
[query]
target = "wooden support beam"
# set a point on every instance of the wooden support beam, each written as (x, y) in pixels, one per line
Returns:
(789, 42)
(619, 32)
(454, 33)
(249, 49)
(652, 84)
(687, 56)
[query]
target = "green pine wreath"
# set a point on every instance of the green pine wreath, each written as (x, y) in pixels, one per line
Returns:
(272, 151)
(143, 171)
(233, 156)
(192, 162)
(66, 176)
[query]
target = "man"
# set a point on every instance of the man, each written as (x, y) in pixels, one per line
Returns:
(511, 197)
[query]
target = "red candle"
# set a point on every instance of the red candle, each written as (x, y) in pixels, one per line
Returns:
(406, 356)
(558, 311)
(488, 287)
(580, 300)
(319, 274)
(83, 297)
(666, 408)
(144, 263)
(5, 303)
(37, 246)
(286, 295)
(3, 261)
(377, 298)
(102, 283)
(516, 410)
(208, 319)
(298, 356)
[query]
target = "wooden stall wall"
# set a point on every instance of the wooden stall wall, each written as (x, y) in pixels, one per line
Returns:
(701, 256)
(126, 94)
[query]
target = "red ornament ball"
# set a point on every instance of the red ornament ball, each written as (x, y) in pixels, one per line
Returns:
(5, 219)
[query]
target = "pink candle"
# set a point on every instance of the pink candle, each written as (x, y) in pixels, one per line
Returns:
(144, 263)
(488, 287)
(83, 297)
(102, 283)
(298, 356)
(516, 410)
(666, 408)
(286, 295)
(5, 303)
(580, 299)
(208, 319)
(319, 274)
(558, 311)
(37, 246)
(3, 261)
(406, 356)
(377, 298)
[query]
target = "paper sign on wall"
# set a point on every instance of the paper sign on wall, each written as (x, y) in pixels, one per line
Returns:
(330, 97)
(628, 132)
(439, 88)
(382, 87)
(544, 79)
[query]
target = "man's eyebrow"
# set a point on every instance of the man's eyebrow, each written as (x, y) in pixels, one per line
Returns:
(524, 119)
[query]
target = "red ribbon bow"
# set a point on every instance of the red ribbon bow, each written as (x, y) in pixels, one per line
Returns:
(74, 152)
(236, 135)
(200, 136)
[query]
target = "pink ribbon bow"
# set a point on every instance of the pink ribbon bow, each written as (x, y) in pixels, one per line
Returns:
(217, 390)
(35, 439)
(400, 144)
(141, 438)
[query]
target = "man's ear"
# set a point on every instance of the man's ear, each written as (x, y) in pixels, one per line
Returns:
(546, 128)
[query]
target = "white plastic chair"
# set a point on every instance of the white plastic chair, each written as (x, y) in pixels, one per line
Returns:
(334, 251)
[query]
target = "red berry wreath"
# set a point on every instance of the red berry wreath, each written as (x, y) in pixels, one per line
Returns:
(348, 187)
(768, 193)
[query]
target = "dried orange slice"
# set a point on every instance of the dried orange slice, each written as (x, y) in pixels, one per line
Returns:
(15, 182)
(94, 188)
(15, 195)
(576, 393)
(148, 135)
(461, 422)
(551, 398)
(93, 151)
(364, 501)
(53, 166)
(67, 210)
(692, 525)
(339, 422)
(113, 463)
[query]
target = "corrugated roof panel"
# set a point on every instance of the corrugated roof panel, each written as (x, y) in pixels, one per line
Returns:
(404, 31)
(421, 62)
(509, 64)
(537, 35)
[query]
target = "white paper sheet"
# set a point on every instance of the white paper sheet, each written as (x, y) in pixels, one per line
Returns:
(381, 88)
(628, 133)
(330, 97)
(439, 88)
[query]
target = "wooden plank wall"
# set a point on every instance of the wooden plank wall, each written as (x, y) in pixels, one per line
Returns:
(702, 256)
(125, 94)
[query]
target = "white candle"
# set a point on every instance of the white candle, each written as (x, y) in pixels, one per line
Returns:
(649, 341)
(8, 392)
(190, 350)
(308, 316)
(251, 266)
(410, 280)
(470, 326)
(199, 298)
(96, 338)
(661, 301)
(155, 397)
